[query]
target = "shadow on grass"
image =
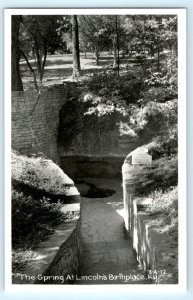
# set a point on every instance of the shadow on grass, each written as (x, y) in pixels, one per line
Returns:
(58, 62)
(62, 73)
(36, 193)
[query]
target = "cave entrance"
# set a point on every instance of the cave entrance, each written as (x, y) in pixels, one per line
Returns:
(90, 190)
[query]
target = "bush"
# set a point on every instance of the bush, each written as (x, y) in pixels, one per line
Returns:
(112, 88)
(41, 174)
(165, 144)
(160, 176)
(32, 220)
(20, 258)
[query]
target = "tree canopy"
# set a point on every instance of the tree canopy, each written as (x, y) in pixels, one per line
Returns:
(144, 37)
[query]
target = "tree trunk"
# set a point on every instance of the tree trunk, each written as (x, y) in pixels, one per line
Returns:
(158, 58)
(114, 52)
(96, 56)
(16, 81)
(75, 44)
(117, 43)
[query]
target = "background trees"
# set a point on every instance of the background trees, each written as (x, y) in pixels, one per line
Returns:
(150, 40)
(93, 35)
(39, 36)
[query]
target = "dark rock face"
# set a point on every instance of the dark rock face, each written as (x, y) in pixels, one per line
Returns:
(85, 134)
(92, 166)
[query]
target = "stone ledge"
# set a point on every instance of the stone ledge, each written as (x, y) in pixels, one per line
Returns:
(155, 249)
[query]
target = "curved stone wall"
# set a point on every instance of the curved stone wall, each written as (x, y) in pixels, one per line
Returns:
(64, 267)
(35, 122)
(154, 248)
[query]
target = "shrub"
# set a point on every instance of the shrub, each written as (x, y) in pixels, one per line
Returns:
(162, 174)
(20, 258)
(108, 89)
(42, 174)
(32, 220)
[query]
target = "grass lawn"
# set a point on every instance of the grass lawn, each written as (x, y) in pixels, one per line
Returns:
(59, 68)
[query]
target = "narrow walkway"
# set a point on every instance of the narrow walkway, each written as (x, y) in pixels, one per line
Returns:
(107, 256)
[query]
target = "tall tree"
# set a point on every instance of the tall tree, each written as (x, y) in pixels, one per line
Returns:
(39, 37)
(16, 81)
(75, 44)
(115, 34)
(93, 35)
(117, 42)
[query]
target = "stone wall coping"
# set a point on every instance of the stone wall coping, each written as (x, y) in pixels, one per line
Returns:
(142, 201)
(70, 207)
(94, 157)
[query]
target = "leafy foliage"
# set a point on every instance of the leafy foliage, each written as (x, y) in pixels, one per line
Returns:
(149, 34)
(41, 173)
(147, 98)
(32, 220)
(39, 36)
(107, 93)
(160, 176)
(164, 208)
(20, 258)
(159, 182)
(92, 34)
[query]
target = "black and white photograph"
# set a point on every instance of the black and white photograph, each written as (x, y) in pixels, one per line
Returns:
(94, 146)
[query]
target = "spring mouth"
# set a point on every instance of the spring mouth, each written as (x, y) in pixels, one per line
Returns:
(89, 190)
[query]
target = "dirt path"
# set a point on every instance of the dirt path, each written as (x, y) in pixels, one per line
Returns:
(107, 253)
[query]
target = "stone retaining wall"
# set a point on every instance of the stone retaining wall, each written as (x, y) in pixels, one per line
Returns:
(64, 267)
(155, 250)
(35, 122)
(57, 256)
